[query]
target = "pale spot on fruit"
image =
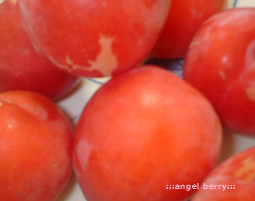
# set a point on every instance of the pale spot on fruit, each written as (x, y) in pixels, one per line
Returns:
(106, 61)
(247, 171)
(62, 66)
(104, 4)
(14, 1)
(222, 75)
(250, 91)
(10, 126)
(7, 100)
(196, 13)
(1, 1)
(149, 99)
(224, 59)
(1, 104)
(71, 63)
(194, 43)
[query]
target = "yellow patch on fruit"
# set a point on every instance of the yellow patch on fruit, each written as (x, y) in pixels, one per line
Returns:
(194, 43)
(247, 171)
(1, 104)
(14, 1)
(250, 92)
(106, 61)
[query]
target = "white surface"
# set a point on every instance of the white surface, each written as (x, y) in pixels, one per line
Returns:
(74, 103)
(73, 106)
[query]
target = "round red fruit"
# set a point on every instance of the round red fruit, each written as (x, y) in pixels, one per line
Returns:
(35, 148)
(94, 38)
(220, 63)
(21, 66)
(143, 132)
(181, 25)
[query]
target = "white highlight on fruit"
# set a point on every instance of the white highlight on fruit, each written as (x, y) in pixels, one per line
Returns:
(37, 111)
(1, 104)
(83, 153)
(250, 55)
(10, 126)
(224, 59)
(235, 16)
(250, 92)
(40, 113)
(105, 62)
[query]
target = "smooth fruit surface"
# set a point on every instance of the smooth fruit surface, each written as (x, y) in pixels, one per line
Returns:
(233, 180)
(220, 63)
(182, 22)
(143, 130)
(21, 66)
(35, 148)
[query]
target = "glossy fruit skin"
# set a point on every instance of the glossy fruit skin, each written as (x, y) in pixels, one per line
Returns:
(182, 22)
(21, 66)
(237, 174)
(142, 130)
(220, 63)
(94, 38)
(35, 147)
